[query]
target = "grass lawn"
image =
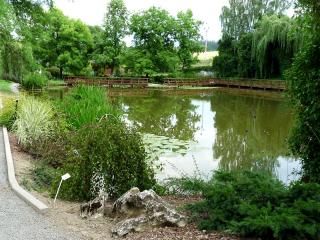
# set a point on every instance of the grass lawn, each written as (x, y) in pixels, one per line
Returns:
(205, 58)
(5, 86)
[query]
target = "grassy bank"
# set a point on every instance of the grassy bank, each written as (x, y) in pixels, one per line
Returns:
(5, 86)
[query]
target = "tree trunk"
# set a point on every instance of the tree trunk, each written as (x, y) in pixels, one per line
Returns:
(61, 72)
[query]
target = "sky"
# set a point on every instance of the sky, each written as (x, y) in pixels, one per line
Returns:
(92, 11)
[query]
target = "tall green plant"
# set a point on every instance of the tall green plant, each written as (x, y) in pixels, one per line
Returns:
(86, 104)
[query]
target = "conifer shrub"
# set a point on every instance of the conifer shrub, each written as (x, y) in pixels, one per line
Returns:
(254, 204)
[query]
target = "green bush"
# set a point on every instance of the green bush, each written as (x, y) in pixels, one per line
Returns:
(85, 105)
(257, 205)
(107, 156)
(34, 81)
(8, 112)
(34, 121)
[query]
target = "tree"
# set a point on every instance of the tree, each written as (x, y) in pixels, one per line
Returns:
(304, 88)
(115, 27)
(69, 41)
(6, 21)
(242, 15)
(275, 40)
(226, 64)
(98, 60)
(247, 65)
(188, 37)
(153, 34)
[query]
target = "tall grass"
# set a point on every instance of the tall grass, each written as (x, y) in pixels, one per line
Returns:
(85, 105)
(34, 81)
(34, 121)
(8, 112)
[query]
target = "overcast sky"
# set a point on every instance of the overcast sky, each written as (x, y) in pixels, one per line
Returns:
(92, 11)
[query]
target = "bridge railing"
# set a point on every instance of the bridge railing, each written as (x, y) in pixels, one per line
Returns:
(108, 81)
(230, 82)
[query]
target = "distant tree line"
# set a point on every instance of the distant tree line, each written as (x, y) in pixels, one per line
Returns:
(34, 39)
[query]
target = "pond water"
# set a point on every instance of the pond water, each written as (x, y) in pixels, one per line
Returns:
(197, 131)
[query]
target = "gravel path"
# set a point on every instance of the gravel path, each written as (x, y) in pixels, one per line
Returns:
(17, 219)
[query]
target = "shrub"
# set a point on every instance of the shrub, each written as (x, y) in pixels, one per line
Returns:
(34, 81)
(257, 205)
(8, 112)
(85, 104)
(108, 156)
(34, 121)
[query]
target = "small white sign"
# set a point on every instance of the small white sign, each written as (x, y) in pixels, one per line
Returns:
(66, 176)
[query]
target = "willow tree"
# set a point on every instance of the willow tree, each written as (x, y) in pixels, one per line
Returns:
(275, 40)
(241, 16)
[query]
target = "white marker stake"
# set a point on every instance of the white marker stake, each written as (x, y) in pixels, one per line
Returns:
(64, 177)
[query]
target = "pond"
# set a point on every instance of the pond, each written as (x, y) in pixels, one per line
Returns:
(197, 131)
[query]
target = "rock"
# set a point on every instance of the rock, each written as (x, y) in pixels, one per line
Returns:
(94, 208)
(142, 210)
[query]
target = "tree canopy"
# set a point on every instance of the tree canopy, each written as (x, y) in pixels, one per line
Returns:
(242, 15)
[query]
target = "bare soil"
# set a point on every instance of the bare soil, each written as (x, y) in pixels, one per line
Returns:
(66, 214)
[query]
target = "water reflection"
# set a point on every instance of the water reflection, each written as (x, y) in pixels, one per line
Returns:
(228, 131)
(170, 116)
(251, 132)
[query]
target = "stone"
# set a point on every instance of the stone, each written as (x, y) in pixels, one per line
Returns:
(94, 208)
(144, 209)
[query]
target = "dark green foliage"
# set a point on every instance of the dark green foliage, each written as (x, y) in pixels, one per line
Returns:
(43, 176)
(110, 151)
(34, 81)
(85, 105)
(264, 52)
(304, 86)
(247, 66)
(226, 64)
(257, 205)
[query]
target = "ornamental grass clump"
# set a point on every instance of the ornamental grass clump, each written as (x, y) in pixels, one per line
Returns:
(34, 121)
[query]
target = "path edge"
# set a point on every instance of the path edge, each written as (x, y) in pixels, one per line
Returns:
(23, 194)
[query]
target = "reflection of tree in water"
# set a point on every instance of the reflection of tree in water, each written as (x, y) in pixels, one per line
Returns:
(251, 132)
(170, 116)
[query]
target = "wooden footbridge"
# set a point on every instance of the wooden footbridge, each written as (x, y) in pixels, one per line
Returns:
(228, 82)
(108, 81)
(179, 82)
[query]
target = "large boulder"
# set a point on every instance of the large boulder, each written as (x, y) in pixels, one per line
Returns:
(140, 210)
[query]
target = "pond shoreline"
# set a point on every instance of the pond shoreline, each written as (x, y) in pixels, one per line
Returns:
(65, 214)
